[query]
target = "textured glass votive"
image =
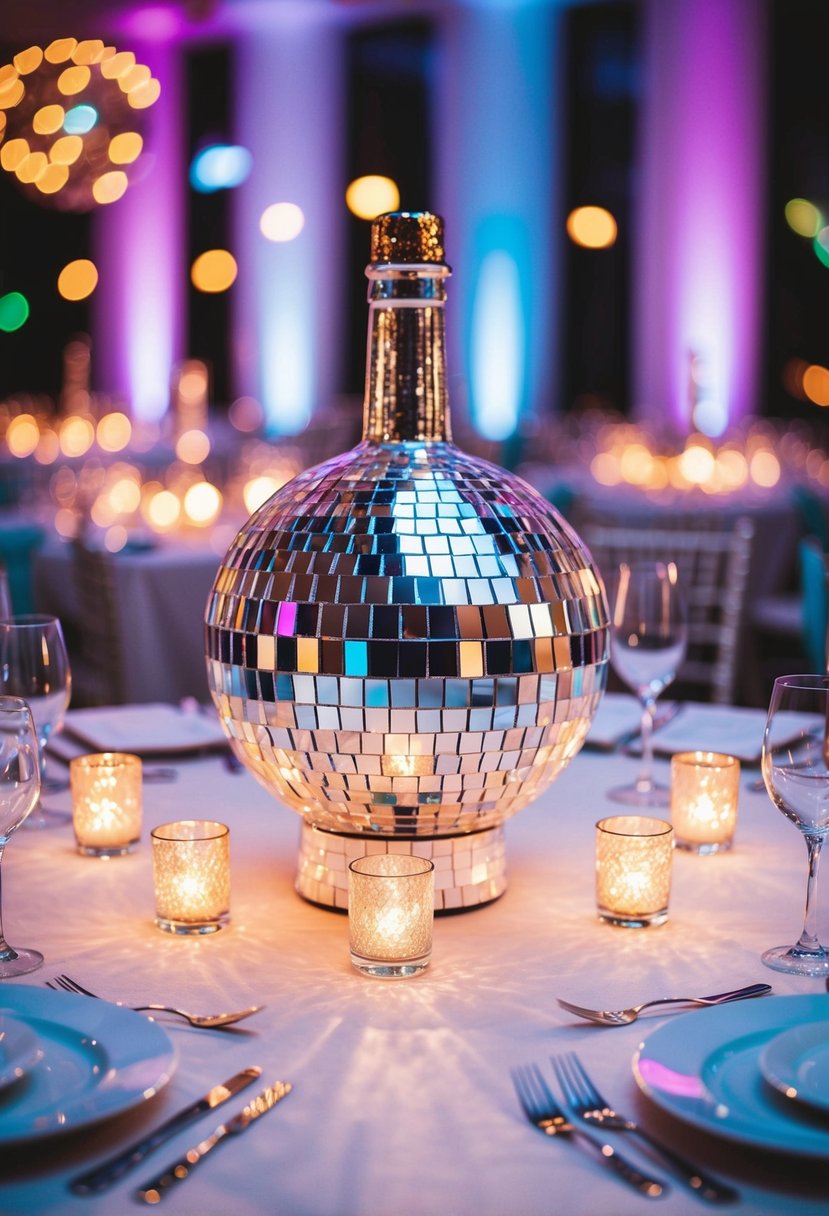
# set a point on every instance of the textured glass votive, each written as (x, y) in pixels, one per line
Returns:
(705, 788)
(191, 873)
(390, 914)
(633, 870)
(106, 803)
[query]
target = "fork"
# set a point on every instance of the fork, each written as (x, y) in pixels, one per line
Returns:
(583, 1100)
(203, 1021)
(622, 1017)
(542, 1110)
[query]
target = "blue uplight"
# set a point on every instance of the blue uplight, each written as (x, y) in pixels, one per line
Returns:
(80, 119)
(220, 167)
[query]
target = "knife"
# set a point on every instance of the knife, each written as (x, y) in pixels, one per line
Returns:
(155, 1190)
(110, 1171)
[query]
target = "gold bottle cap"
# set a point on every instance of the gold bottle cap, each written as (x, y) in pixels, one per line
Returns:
(407, 236)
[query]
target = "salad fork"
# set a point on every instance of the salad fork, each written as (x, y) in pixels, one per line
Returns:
(583, 1099)
(202, 1021)
(543, 1111)
(622, 1017)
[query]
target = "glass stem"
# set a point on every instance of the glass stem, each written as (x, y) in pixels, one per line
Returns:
(809, 938)
(6, 951)
(645, 781)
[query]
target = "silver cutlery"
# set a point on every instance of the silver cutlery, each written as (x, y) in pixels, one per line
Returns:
(622, 1017)
(582, 1099)
(544, 1112)
(155, 1190)
(202, 1021)
(110, 1171)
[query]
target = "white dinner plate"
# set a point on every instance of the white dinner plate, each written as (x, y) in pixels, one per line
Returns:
(98, 1060)
(19, 1049)
(704, 1068)
(796, 1063)
(152, 729)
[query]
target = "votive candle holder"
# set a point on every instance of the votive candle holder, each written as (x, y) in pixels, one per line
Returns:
(705, 788)
(191, 876)
(391, 914)
(106, 803)
(633, 870)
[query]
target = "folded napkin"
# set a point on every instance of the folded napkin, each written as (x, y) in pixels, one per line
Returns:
(735, 730)
(151, 729)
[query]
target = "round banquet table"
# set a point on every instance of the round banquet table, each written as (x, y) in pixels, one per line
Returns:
(402, 1102)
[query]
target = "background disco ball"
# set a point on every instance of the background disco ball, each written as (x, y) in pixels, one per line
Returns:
(72, 120)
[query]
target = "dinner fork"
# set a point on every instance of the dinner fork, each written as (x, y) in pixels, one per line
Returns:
(622, 1017)
(583, 1099)
(542, 1110)
(203, 1021)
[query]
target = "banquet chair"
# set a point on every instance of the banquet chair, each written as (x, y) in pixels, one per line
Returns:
(713, 565)
(95, 649)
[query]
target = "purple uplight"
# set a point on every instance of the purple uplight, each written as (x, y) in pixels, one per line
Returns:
(699, 268)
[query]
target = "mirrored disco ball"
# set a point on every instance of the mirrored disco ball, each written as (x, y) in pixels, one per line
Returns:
(406, 641)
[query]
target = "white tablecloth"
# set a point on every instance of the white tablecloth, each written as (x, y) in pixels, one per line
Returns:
(403, 1104)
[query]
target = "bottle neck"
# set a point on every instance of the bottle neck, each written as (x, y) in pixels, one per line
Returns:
(406, 398)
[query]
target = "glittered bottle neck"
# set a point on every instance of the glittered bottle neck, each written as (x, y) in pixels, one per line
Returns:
(406, 398)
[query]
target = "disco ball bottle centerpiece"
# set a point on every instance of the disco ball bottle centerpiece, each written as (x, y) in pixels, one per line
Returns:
(406, 644)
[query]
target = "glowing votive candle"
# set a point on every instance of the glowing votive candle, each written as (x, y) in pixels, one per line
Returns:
(633, 870)
(705, 788)
(390, 914)
(191, 874)
(106, 803)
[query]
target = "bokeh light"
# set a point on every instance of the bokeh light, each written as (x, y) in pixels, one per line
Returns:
(79, 119)
(220, 167)
(816, 384)
(77, 435)
(162, 510)
(109, 187)
(22, 435)
(114, 432)
(281, 222)
(78, 279)
(202, 503)
(764, 468)
(372, 195)
(193, 447)
(697, 464)
(246, 414)
(215, 270)
(591, 227)
(14, 311)
(803, 217)
(258, 490)
(125, 148)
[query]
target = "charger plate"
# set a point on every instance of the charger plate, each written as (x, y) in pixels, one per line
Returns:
(704, 1068)
(98, 1060)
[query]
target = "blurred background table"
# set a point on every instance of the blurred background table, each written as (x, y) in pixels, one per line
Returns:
(134, 621)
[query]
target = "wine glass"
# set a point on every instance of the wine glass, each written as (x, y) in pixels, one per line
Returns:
(795, 763)
(19, 792)
(34, 665)
(648, 638)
